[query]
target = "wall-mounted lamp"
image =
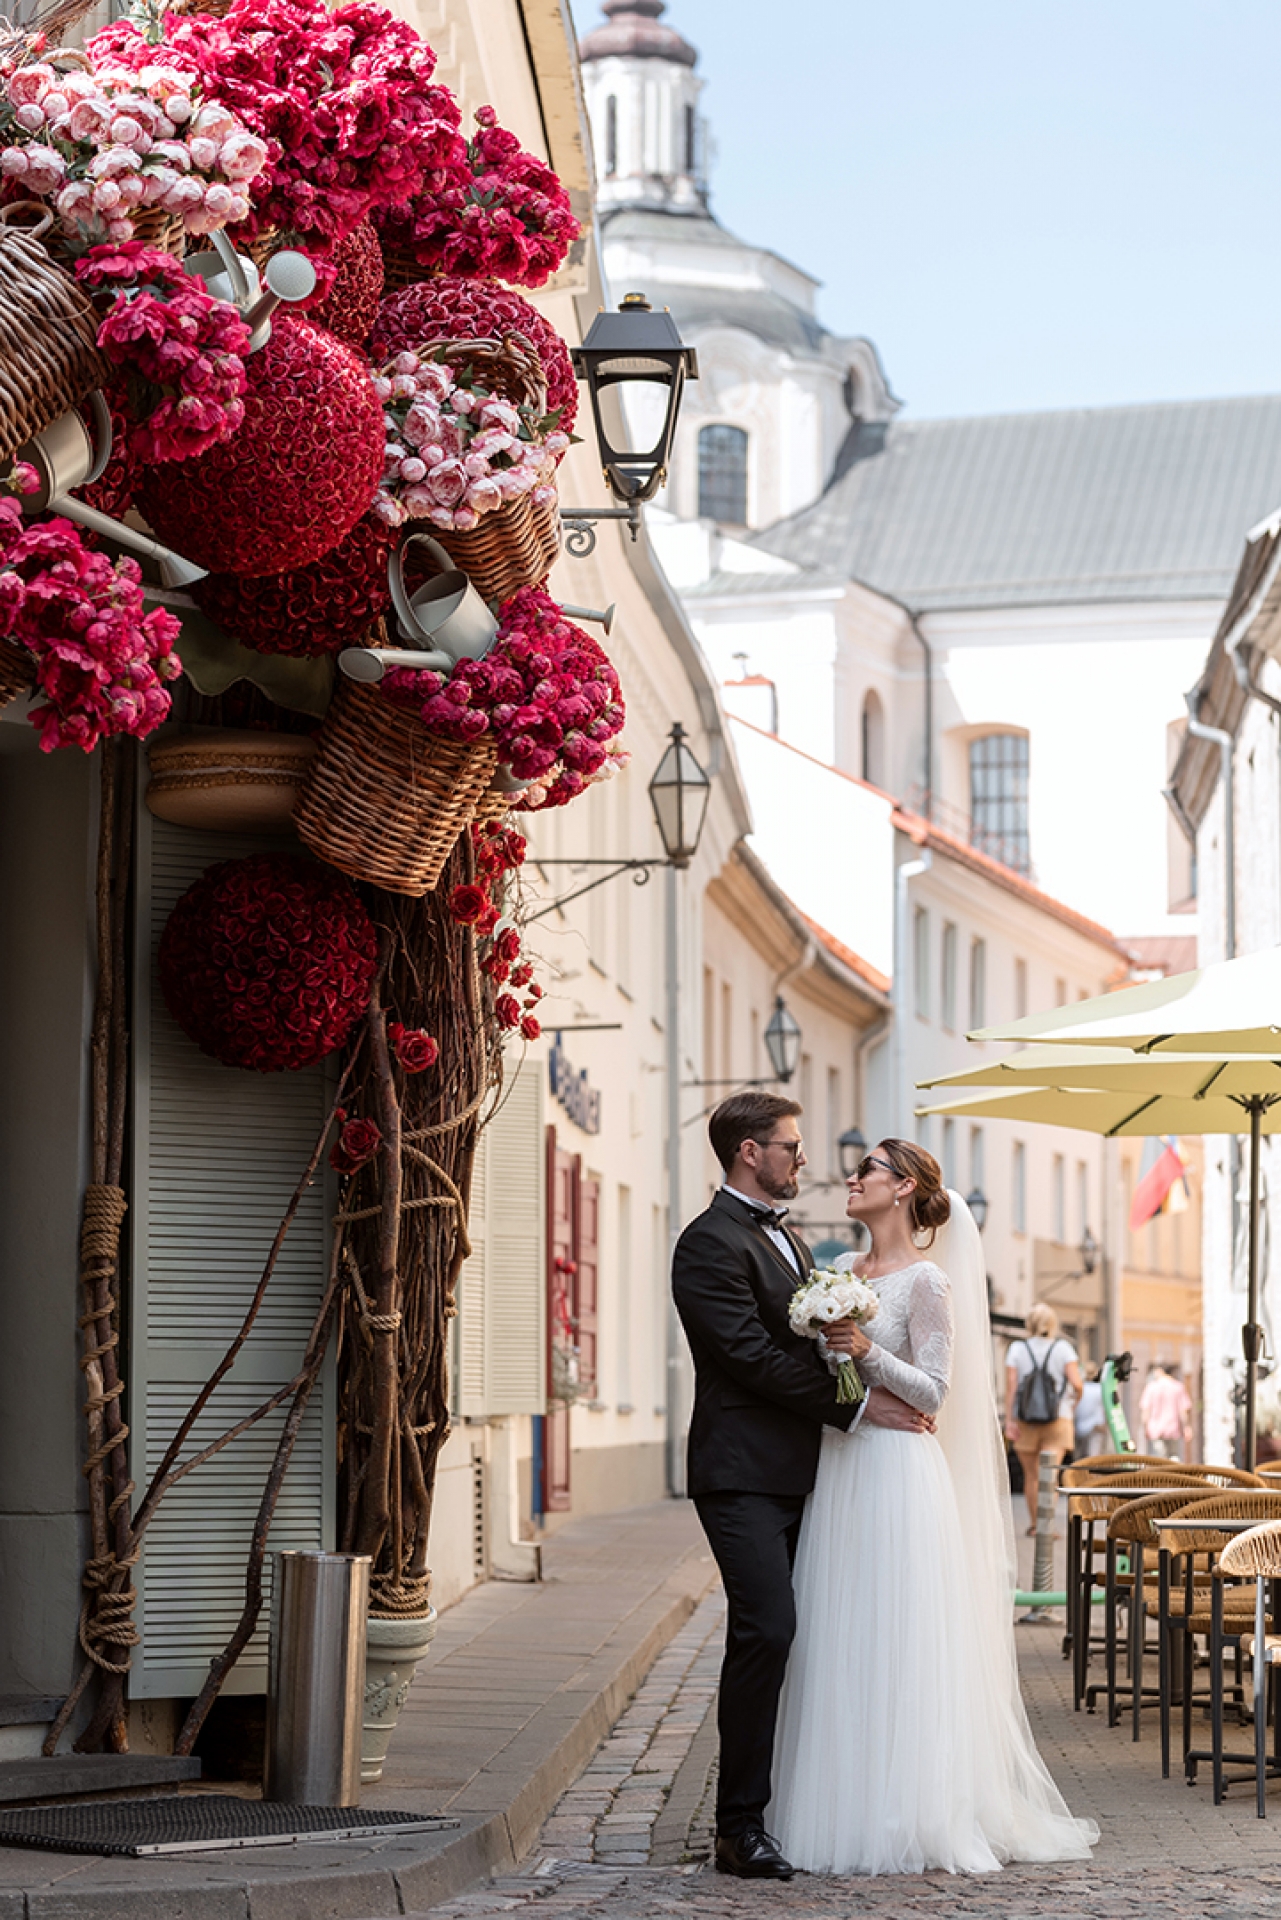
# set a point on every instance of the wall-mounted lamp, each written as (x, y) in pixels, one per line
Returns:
(783, 1040)
(851, 1147)
(976, 1201)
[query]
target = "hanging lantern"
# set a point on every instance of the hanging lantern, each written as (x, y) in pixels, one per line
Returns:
(296, 477)
(678, 793)
(641, 352)
(783, 1040)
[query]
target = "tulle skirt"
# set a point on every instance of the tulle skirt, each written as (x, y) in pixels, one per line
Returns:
(902, 1742)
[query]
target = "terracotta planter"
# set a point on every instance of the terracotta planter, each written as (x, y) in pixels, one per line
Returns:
(393, 1649)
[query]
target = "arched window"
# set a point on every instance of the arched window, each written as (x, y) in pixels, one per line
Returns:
(722, 475)
(611, 136)
(998, 798)
(691, 139)
(873, 739)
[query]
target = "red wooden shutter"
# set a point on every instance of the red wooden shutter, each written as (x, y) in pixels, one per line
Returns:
(560, 1329)
(587, 1285)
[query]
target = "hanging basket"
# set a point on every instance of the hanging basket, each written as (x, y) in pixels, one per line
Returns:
(165, 231)
(385, 800)
(515, 546)
(49, 358)
(400, 269)
(225, 780)
(17, 671)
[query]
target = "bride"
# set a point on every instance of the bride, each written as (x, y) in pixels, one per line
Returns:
(902, 1741)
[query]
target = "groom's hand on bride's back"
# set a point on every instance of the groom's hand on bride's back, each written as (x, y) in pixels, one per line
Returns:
(885, 1409)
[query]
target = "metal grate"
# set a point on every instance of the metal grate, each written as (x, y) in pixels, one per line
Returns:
(197, 1823)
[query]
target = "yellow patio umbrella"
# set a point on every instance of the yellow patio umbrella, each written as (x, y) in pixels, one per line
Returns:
(1112, 1091)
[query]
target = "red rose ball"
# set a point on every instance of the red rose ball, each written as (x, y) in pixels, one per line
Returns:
(311, 610)
(295, 478)
(350, 303)
(266, 962)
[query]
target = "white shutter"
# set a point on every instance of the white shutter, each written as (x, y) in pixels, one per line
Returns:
(502, 1292)
(217, 1153)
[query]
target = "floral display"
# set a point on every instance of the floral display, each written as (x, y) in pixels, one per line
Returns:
(310, 610)
(101, 662)
(492, 211)
(357, 1143)
(546, 691)
(500, 850)
(266, 962)
(298, 475)
(413, 1047)
(341, 99)
(452, 307)
(107, 146)
(455, 450)
(348, 303)
(181, 351)
(830, 1294)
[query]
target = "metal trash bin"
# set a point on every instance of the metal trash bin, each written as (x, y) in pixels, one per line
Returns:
(316, 1678)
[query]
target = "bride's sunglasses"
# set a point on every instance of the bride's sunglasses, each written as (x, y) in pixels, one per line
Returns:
(869, 1161)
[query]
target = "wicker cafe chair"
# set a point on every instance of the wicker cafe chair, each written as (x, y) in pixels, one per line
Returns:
(1217, 1609)
(1090, 1507)
(1257, 1555)
(1132, 1529)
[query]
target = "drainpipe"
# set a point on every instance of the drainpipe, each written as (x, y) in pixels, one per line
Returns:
(875, 1033)
(927, 652)
(1223, 741)
(901, 992)
(1243, 666)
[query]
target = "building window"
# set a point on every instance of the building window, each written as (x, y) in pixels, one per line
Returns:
(722, 475)
(1082, 1197)
(1060, 993)
(1058, 1192)
(873, 739)
(691, 140)
(1020, 1187)
(978, 983)
(921, 961)
(611, 136)
(998, 798)
(1020, 989)
(949, 1153)
(978, 1164)
(947, 1002)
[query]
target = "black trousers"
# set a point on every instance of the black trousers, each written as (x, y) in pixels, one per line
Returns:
(753, 1537)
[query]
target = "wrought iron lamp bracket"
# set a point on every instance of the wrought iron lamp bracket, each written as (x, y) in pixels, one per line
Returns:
(578, 528)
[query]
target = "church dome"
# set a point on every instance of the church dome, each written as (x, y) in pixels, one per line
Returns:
(633, 30)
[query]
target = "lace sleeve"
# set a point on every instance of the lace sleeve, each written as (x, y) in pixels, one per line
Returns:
(923, 1380)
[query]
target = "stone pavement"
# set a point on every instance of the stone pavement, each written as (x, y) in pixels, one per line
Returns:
(521, 1685)
(607, 1851)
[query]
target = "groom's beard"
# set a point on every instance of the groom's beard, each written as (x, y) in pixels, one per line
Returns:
(785, 1189)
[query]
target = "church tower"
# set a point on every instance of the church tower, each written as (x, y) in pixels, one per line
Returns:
(642, 97)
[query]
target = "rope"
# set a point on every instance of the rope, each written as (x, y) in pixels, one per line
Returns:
(393, 1599)
(106, 1615)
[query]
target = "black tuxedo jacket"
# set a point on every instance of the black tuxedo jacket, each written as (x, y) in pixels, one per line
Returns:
(762, 1394)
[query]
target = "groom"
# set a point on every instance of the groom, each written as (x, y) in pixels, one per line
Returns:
(762, 1395)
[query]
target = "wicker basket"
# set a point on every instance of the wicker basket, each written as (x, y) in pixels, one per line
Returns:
(49, 358)
(17, 671)
(400, 269)
(385, 800)
(228, 780)
(156, 228)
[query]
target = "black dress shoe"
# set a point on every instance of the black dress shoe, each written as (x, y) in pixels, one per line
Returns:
(752, 1855)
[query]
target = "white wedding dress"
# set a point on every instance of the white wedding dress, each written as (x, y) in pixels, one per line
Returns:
(903, 1743)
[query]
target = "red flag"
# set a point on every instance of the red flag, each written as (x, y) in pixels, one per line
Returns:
(1153, 1189)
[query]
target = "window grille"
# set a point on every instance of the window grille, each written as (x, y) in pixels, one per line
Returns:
(722, 475)
(998, 798)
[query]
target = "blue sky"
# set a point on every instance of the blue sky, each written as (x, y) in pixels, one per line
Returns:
(1024, 204)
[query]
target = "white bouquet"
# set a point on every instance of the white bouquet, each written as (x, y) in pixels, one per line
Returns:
(831, 1294)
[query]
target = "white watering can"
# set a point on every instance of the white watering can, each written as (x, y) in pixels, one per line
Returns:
(65, 456)
(447, 609)
(231, 276)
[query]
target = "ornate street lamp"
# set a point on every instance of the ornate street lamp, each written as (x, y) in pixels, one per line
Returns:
(851, 1147)
(679, 793)
(638, 348)
(782, 1040)
(1089, 1252)
(976, 1201)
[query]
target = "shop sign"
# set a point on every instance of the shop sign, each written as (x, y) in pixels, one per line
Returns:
(572, 1091)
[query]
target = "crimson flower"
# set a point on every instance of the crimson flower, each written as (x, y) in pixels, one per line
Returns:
(507, 1011)
(467, 903)
(355, 1146)
(415, 1048)
(530, 1028)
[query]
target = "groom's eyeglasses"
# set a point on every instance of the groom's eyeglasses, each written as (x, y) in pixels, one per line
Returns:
(794, 1147)
(865, 1166)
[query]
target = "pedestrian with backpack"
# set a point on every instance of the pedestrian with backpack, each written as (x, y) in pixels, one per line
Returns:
(1042, 1386)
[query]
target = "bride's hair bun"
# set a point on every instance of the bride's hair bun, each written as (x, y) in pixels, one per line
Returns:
(929, 1206)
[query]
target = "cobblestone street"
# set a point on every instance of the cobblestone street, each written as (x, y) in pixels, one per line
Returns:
(631, 1837)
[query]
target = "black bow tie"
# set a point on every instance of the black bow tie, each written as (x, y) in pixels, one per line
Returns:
(770, 1216)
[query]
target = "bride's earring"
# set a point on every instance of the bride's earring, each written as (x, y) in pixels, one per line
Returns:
(897, 1201)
